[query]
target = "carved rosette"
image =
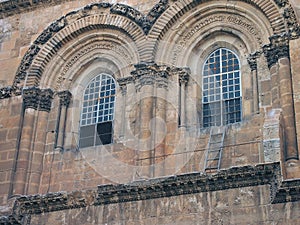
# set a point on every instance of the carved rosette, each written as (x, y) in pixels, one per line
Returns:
(150, 74)
(64, 98)
(277, 49)
(37, 99)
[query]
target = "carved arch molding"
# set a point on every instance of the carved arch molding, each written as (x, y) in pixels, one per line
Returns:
(129, 21)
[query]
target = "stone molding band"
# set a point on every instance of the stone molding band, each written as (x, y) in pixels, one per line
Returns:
(236, 177)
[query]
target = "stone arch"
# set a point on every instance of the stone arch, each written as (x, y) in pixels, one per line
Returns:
(67, 66)
(178, 42)
(61, 32)
(269, 16)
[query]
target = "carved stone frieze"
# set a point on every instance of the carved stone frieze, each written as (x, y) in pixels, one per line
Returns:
(220, 18)
(235, 177)
(150, 74)
(98, 46)
(64, 98)
(292, 23)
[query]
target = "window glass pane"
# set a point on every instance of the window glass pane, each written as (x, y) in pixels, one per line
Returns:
(221, 86)
(98, 107)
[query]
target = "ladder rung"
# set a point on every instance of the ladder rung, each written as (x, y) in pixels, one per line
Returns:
(211, 159)
(212, 168)
(211, 151)
(212, 142)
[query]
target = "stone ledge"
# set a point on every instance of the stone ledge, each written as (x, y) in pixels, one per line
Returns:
(236, 177)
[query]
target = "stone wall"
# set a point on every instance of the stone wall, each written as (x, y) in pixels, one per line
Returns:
(235, 206)
(50, 51)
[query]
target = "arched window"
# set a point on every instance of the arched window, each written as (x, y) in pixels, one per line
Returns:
(222, 97)
(97, 114)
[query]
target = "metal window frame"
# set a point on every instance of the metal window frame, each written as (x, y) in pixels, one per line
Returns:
(93, 97)
(206, 74)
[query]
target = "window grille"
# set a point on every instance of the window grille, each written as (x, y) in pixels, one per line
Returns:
(222, 96)
(97, 115)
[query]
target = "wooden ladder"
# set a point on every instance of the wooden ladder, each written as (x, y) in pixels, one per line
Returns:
(214, 149)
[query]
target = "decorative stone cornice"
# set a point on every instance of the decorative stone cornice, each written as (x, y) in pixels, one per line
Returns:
(37, 99)
(277, 49)
(151, 74)
(64, 98)
(286, 191)
(236, 177)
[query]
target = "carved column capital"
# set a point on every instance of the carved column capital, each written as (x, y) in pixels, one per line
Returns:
(35, 98)
(46, 97)
(183, 74)
(64, 98)
(277, 49)
(151, 74)
(31, 97)
(252, 61)
(123, 83)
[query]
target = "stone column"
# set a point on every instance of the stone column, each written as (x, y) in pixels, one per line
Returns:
(37, 153)
(183, 76)
(278, 52)
(252, 60)
(144, 76)
(22, 156)
(160, 126)
(123, 86)
(270, 52)
(64, 101)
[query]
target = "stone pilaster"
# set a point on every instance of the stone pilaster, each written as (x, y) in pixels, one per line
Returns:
(34, 100)
(151, 80)
(277, 54)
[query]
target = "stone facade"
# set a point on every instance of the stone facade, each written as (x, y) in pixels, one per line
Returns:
(154, 171)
